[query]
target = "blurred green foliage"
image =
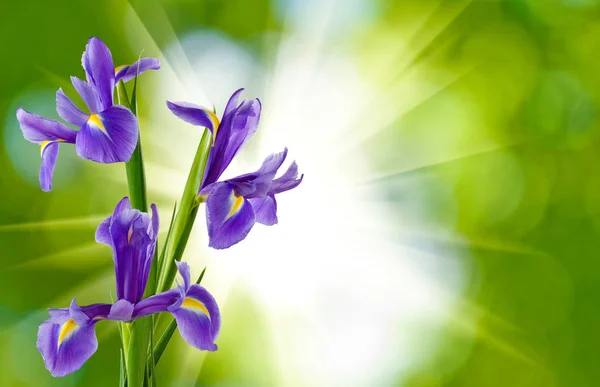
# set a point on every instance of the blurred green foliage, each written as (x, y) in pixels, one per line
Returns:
(500, 135)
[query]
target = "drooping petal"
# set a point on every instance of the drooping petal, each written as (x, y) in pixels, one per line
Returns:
(108, 137)
(127, 72)
(68, 111)
(67, 340)
(37, 129)
(229, 217)
(265, 209)
(198, 318)
(64, 356)
(49, 156)
(88, 93)
(99, 70)
(194, 114)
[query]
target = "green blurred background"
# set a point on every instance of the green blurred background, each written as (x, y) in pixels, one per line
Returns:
(475, 126)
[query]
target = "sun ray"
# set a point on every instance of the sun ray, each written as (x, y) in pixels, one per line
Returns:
(69, 258)
(382, 177)
(90, 221)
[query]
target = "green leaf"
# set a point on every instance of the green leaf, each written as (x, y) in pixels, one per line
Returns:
(122, 374)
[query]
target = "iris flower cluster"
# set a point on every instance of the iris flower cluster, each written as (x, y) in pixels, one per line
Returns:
(109, 133)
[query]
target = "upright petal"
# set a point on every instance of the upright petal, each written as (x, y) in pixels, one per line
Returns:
(194, 114)
(99, 69)
(198, 318)
(127, 72)
(237, 126)
(103, 230)
(49, 155)
(67, 340)
(88, 93)
(184, 271)
(229, 217)
(37, 129)
(132, 236)
(68, 111)
(108, 137)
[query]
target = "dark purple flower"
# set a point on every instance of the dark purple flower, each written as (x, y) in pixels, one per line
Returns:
(239, 122)
(108, 133)
(67, 339)
(132, 235)
(235, 205)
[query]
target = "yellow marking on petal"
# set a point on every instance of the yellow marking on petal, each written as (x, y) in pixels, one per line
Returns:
(192, 303)
(236, 206)
(215, 123)
(118, 68)
(129, 234)
(95, 119)
(44, 144)
(66, 330)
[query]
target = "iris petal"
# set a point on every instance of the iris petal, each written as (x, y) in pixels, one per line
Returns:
(99, 69)
(229, 217)
(88, 93)
(194, 114)
(197, 327)
(37, 129)
(237, 126)
(67, 339)
(68, 111)
(108, 137)
(49, 156)
(72, 352)
(127, 73)
(265, 209)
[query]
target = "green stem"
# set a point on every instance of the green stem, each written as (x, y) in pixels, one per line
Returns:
(136, 175)
(139, 332)
(186, 214)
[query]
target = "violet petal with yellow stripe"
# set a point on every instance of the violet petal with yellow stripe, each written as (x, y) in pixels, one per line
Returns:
(67, 339)
(233, 206)
(194, 308)
(108, 137)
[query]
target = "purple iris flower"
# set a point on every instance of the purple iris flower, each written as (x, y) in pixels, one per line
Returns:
(235, 205)
(108, 133)
(68, 339)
